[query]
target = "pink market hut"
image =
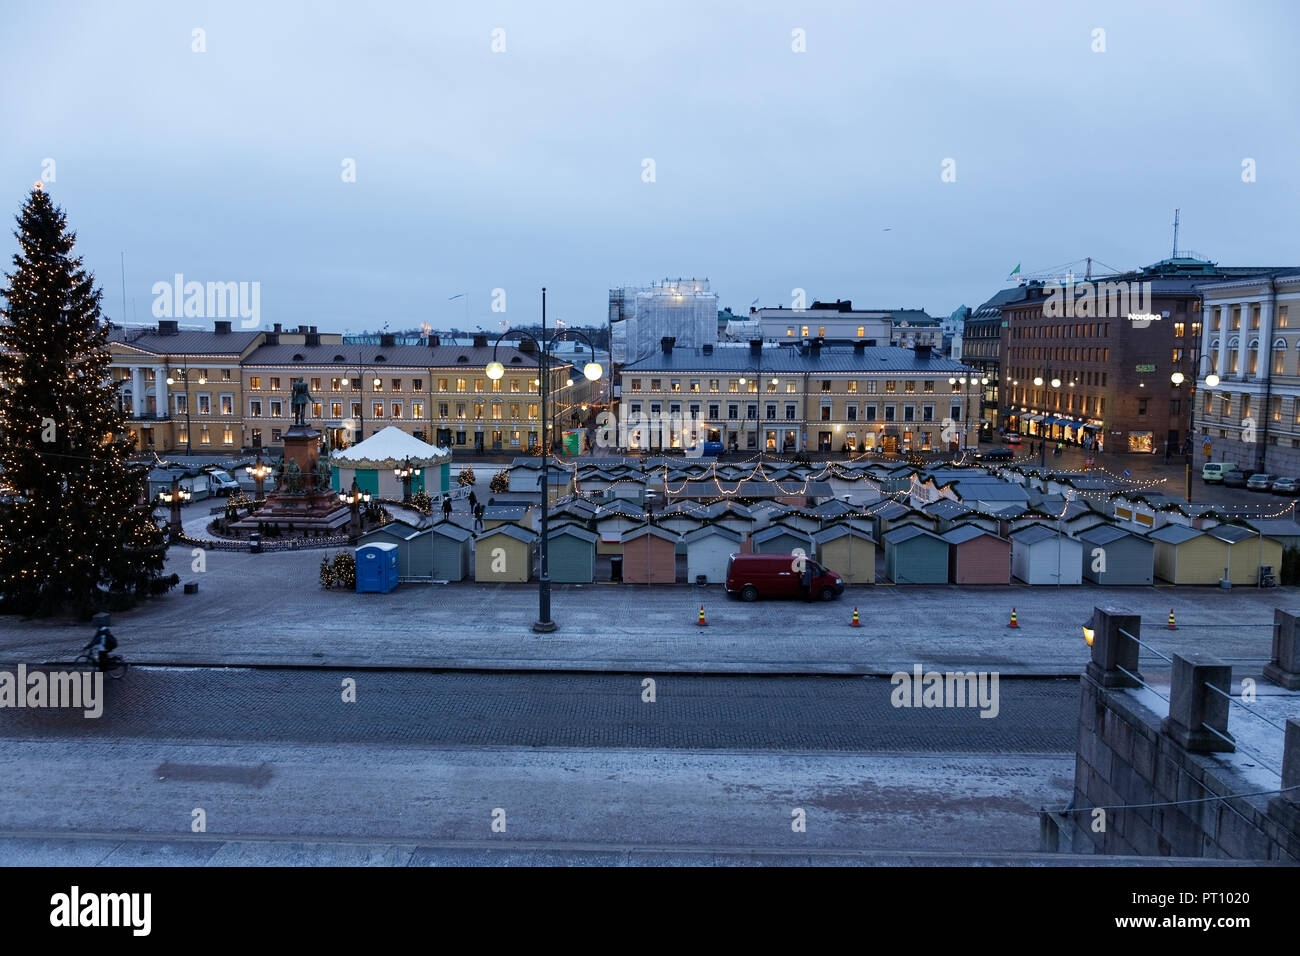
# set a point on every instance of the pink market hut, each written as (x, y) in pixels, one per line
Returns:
(977, 556)
(372, 464)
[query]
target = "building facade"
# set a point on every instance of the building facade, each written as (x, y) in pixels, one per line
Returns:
(1248, 379)
(188, 391)
(786, 399)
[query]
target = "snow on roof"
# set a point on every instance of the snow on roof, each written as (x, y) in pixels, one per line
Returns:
(388, 447)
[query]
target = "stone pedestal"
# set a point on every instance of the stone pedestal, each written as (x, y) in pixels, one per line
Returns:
(312, 508)
(1284, 668)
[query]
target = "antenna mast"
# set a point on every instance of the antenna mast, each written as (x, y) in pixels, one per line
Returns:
(1175, 253)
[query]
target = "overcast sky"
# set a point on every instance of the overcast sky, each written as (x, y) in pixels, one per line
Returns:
(773, 169)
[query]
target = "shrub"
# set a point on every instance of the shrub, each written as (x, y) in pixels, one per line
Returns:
(500, 481)
(466, 477)
(422, 503)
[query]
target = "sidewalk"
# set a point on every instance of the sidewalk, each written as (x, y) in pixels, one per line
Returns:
(269, 610)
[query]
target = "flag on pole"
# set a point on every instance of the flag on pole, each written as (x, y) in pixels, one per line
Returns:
(1015, 271)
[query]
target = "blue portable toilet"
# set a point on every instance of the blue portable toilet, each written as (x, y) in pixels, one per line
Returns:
(376, 568)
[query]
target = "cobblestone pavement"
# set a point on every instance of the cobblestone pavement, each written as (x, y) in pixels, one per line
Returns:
(556, 710)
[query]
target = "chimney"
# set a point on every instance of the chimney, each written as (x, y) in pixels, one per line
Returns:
(666, 344)
(386, 340)
(860, 347)
(277, 328)
(271, 338)
(527, 346)
(312, 329)
(755, 346)
(312, 338)
(302, 330)
(480, 341)
(707, 349)
(434, 341)
(815, 348)
(168, 327)
(923, 350)
(221, 327)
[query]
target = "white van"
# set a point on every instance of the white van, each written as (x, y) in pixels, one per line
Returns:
(223, 483)
(1216, 471)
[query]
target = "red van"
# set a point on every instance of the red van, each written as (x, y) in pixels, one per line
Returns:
(778, 575)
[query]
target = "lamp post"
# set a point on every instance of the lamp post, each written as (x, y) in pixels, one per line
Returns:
(1211, 381)
(965, 404)
(757, 379)
(185, 377)
(258, 472)
(592, 371)
(1042, 443)
(405, 472)
(175, 498)
(353, 498)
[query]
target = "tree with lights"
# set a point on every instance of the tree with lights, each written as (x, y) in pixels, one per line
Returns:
(76, 526)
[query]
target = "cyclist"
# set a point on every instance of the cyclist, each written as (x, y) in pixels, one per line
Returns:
(101, 645)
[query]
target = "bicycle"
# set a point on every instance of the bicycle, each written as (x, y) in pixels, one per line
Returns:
(116, 667)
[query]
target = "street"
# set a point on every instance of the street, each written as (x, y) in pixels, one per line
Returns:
(572, 761)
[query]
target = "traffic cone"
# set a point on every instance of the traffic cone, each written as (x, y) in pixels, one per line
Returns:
(1171, 626)
(855, 622)
(1013, 619)
(701, 622)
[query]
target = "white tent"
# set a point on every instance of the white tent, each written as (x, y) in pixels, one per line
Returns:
(371, 463)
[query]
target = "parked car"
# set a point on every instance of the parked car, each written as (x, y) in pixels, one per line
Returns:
(1214, 471)
(1011, 438)
(1235, 479)
(1286, 486)
(995, 454)
(752, 576)
(1260, 482)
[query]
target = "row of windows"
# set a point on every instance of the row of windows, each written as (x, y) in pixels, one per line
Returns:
(870, 413)
(340, 384)
(773, 384)
(1239, 406)
(1233, 317)
(1064, 354)
(397, 410)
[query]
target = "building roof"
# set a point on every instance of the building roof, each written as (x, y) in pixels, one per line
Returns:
(1034, 533)
(511, 530)
(839, 531)
(873, 360)
(573, 531)
(184, 342)
(965, 532)
(776, 530)
(907, 532)
(1174, 534)
(648, 529)
(712, 530)
(1105, 534)
(504, 512)
(1232, 533)
(449, 529)
(473, 359)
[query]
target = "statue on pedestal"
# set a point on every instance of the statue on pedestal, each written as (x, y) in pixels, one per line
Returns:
(299, 400)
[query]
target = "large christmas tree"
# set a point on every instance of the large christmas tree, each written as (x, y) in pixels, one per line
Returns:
(76, 529)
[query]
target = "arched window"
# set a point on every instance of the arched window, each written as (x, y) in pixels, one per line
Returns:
(1279, 356)
(1252, 357)
(1232, 355)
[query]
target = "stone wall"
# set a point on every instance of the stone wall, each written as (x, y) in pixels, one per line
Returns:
(1129, 757)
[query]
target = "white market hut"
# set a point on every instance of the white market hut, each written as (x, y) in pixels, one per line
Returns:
(371, 463)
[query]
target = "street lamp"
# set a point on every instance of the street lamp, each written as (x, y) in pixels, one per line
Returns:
(185, 377)
(1042, 443)
(258, 472)
(405, 472)
(354, 497)
(591, 371)
(175, 498)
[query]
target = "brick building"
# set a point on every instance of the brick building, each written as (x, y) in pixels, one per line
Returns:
(1110, 359)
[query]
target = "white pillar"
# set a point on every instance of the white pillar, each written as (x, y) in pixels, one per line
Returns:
(137, 389)
(1225, 312)
(1243, 342)
(1264, 368)
(162, 402)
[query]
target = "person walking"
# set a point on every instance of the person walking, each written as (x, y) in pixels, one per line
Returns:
(478, 517)
(473, 500)
(446, 508)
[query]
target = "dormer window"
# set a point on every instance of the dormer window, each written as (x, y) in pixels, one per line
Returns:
(339, 358)
(298, 358)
